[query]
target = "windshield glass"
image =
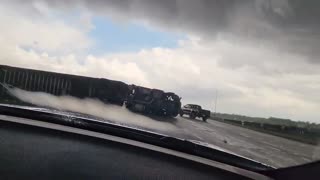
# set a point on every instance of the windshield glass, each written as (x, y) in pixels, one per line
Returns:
(192, 106)
(253, 67)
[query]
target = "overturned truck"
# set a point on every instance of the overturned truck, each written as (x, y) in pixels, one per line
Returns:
(135, 98)
(152, 101)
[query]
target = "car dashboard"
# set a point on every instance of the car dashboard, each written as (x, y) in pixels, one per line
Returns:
(31, 149)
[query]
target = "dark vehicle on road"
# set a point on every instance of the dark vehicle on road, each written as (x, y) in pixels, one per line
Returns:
(153, 101)
(194, 111)
(138, 99)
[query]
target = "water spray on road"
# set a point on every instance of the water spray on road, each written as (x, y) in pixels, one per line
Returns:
(89, 106)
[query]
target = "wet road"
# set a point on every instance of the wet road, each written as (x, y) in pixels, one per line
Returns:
(268, 149)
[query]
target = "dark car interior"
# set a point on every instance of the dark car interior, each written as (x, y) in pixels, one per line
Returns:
(29, 152)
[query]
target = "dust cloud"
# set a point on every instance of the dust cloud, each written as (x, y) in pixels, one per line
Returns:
(94, 107)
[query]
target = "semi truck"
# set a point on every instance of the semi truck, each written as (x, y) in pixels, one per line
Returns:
(153, 101)
(136, 98)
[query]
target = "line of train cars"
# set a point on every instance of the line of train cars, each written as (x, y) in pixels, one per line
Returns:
(135, 98)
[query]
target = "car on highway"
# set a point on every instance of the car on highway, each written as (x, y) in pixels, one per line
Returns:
(194, 111)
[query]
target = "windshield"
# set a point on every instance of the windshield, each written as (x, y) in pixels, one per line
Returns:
(192, 106)
(253, 67)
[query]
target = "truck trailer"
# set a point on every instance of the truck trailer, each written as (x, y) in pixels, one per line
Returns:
(135, 98)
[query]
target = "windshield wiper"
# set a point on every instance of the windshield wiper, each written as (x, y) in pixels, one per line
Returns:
(153, 138)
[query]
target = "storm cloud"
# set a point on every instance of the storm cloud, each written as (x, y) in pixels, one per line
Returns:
(280, 24)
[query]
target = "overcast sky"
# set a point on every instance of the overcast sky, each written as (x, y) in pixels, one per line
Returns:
(261, 56)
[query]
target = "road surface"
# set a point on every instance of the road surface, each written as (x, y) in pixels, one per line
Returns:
(265, 148)
(269, 149)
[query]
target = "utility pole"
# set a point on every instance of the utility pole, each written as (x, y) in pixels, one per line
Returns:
(215, 103)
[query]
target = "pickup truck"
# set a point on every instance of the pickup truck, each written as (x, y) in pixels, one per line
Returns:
(193, 111)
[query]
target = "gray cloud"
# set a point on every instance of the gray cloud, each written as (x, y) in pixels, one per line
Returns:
(289, 25)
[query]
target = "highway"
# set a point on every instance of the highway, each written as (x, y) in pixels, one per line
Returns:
(261, 147)
(269, 149)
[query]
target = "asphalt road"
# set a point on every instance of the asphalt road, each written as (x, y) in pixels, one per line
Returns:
(269, 149)
(265, 148)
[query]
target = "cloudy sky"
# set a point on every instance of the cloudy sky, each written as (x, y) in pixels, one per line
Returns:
(260, 56)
